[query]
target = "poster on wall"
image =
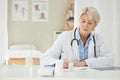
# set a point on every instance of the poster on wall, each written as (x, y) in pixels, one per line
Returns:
(19, 10)
(39, 10)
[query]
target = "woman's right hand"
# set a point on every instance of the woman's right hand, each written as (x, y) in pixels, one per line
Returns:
(65, 64)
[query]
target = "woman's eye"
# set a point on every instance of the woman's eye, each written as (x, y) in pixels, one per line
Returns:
(83, 21)
(90, 23)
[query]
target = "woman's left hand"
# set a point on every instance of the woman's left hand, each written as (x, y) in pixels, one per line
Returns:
(79, 64)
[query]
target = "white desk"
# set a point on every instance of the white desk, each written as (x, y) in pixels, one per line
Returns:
(17, 72)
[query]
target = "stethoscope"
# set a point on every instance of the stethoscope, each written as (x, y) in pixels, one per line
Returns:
(75, 39)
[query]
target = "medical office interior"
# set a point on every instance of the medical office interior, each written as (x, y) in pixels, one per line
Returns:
(20, 37)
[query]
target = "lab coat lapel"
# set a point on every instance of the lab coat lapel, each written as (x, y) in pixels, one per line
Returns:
(91, 49)
(75, 48)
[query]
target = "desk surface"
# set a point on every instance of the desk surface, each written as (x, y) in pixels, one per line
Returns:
(21, 72)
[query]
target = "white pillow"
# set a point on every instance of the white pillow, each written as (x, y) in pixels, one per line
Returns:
(22, 47)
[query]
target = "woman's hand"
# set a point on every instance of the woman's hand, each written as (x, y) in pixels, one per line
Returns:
(79, 64)
(65, 64)
(75, 64)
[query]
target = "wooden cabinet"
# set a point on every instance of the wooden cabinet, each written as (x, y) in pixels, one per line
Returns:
(21, 61)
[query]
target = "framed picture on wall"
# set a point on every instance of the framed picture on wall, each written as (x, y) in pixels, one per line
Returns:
(39, 10)
(19, 10)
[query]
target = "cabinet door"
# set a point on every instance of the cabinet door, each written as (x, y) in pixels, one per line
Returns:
(21, 61)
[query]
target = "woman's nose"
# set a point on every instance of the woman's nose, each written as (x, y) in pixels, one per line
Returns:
(85, 25)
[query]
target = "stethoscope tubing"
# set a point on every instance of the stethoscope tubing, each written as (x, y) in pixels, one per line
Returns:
(75, 39)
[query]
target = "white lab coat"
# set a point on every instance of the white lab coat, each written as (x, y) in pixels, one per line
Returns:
(62, 46)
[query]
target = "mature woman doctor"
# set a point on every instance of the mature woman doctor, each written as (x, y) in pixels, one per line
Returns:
(83, 46)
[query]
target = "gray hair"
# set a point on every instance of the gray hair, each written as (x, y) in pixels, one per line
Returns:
(92, 13)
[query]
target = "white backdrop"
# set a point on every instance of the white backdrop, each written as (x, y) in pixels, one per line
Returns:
(116, 31)
(3, 28)
(109, 23)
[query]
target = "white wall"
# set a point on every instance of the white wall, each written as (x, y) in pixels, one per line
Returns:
(40, 34)
(116, 30)
(3, 28)
(107, 26)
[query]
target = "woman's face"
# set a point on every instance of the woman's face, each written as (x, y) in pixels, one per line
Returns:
(87, 25)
